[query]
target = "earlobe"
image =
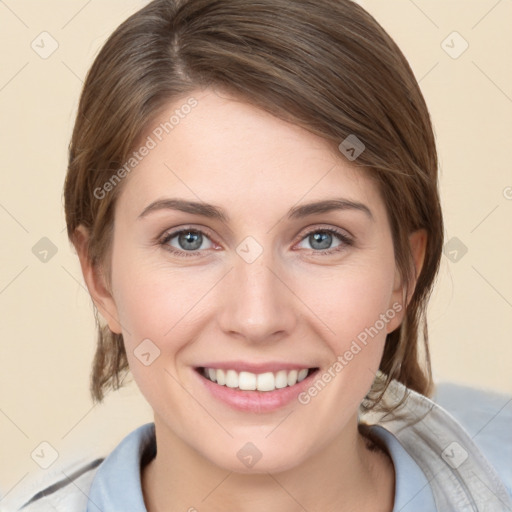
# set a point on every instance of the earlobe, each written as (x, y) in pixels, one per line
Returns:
(95, 281)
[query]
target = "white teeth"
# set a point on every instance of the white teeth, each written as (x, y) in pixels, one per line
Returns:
(266, 382)
(292, 377)
(302, 375)
(221, 377)
(281, 379)
(248, 381)
(231, 379)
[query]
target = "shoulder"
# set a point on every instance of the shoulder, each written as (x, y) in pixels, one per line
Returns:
(460, 438)
(63, 489)
(103, 482)
(487, 418)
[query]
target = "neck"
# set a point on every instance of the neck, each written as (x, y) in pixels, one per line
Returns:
(346, 474)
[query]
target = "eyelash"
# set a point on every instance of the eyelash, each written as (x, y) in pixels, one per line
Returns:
(346, 241)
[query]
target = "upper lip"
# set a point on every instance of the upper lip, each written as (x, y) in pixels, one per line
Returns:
(245, 366)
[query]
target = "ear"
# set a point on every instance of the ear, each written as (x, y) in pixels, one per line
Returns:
(95, 280)
(418, 245)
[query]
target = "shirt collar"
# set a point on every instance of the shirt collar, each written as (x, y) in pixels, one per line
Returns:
(117, 483)
(412, 489)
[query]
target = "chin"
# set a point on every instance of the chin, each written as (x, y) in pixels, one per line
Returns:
(257, 458)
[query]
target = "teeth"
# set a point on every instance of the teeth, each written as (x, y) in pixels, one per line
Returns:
(266, 382)
(281, 379)
(248, 381)
(302, 375)
(231, 379)
(292, 377)
(220, 377)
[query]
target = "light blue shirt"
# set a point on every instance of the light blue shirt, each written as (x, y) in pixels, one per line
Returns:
(114, 483)
(117, 484)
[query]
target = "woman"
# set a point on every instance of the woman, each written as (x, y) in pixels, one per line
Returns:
(252, 193)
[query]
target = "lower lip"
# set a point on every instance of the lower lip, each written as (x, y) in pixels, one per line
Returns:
(256, 401)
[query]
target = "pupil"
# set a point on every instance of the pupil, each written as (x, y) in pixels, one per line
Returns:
(190, 240)
(323, 238)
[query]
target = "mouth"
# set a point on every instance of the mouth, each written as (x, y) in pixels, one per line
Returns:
(257, 382)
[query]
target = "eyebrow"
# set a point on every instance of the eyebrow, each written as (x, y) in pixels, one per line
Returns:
(214, 212)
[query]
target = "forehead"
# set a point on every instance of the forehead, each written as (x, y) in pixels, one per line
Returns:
(224, 150)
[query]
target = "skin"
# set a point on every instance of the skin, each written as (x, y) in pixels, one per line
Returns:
(290, 304)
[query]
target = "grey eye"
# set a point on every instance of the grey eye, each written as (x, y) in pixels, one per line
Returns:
(190, 240)
(187, 240)
(321, 240)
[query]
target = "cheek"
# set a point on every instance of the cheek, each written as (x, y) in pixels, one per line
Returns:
(354, 306)
(154, 300)
(164, 305)
(351, 302)
(355, 312)
(156, 317)
(159, 305)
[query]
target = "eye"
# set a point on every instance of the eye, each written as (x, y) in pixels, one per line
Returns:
(321, 240)
(187, 242)
(191, 241)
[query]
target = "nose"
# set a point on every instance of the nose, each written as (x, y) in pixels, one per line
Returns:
(258, 303)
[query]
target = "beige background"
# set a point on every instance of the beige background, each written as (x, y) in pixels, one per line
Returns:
(47, 326)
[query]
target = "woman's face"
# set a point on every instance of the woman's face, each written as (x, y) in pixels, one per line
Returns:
(249, 275)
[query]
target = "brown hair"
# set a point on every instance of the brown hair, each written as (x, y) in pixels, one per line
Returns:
(325, 65)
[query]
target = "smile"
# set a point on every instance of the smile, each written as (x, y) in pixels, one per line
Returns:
(248, 381)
